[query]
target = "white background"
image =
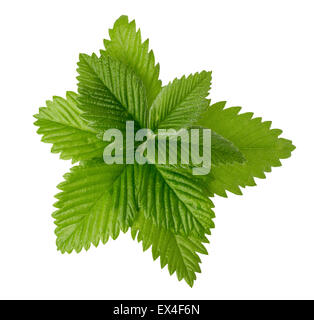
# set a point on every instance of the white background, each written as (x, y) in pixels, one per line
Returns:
(261, 54)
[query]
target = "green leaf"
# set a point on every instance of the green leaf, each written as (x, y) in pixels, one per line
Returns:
(96, 202)
(176, 200)
(260, 145)
(180, 102)
(179, 253)
(110, 93)
(224, 151)
(60, 124)
(125, 45)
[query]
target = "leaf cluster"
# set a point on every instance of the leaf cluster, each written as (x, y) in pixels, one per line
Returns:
(165, 207)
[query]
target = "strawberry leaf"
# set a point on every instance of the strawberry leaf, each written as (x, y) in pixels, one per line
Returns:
(96, 202)
(224, 151)
(260, 145)
(178, 252)
(126, 45)
(110, 93)
(180, 102)
(60, 124)
(175, 200)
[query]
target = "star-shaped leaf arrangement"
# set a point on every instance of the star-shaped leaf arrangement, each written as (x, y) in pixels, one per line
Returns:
(166, 207)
